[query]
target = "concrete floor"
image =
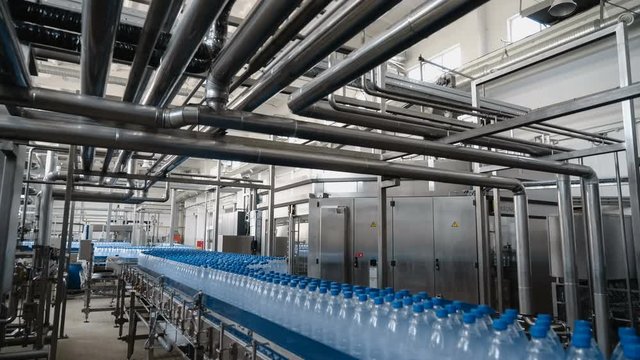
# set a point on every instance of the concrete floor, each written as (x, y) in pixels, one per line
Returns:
(98, 339)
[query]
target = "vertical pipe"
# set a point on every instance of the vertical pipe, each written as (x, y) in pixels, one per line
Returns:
(206, 220)
(291, 241)
(46, 202)
(173, 216)
(23, 220)
(497, 231)
(63, 315)
(63, 249)
(522, 253)
(623, 235)
(108, 225)
(216, 220)
(598, 267)
(631, 140)
(383, 273)
(567, 244)
(271, 225)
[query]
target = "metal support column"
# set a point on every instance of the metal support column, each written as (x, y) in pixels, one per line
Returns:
(108, 224)
(497, 232)
(631, 139)
(46, 203)
(173, 216)
(63, 248)
(382, 235)
(271, 225)
(598, 267)
(216, 219)
(523, 260)
(291, 240)
(567, 244)
(207, 244)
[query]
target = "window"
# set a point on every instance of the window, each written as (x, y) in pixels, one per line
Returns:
(450, 59)
(519, 27)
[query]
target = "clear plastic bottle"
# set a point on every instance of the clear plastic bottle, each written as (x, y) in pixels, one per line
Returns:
(329, 335)
(345, 316)
(358, 328)
(442, 338)
(502, 346)
(516, 331)
(470, 340)
(581, 348)
(418, 332)
(319, 309)
(540, 347)
(393, 336)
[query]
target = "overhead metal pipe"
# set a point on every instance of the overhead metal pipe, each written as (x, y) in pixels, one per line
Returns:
(181, 142)
(568, 249)
(355, 16)
(258, 26)
(99, 24)
(153, 25)
(12, 63)
(419, 24)
(186, 38)
(298, 20)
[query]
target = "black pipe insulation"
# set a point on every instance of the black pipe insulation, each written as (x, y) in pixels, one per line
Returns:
(38, 34)
(59, 27)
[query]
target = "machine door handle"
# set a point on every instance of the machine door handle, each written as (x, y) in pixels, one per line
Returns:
(355, 262)
(317, 261)
(437, 264)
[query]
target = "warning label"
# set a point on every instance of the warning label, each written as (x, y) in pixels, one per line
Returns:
(455, 224)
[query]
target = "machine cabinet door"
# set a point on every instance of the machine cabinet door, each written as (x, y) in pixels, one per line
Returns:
(411, 239)
(455, 260)
(365, 238)
(334, 227)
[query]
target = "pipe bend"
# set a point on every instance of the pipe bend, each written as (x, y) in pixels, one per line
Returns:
(518, 188)
(177, 118)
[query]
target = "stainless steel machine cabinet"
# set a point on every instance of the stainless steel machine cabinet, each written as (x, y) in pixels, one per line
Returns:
(431, 243)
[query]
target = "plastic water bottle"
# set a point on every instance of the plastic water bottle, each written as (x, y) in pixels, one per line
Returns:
(454, 318)
(623, 334)
(502, 346)
(480, 323)
(417, 334)
(374, 330)
(345, 316)
(516, 331)
(545, 320)
(584, 327)
(358, 326)
(319, 309)
(329, 336)
(394, 337)
(581, 348)
(470, 341)
(442, 336)
(429, 316)
(540, 347)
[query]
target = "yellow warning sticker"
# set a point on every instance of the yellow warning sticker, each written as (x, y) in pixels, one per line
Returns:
(373, 224)
(455, 225)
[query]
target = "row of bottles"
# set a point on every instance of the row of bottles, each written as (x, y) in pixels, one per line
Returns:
(370, 323)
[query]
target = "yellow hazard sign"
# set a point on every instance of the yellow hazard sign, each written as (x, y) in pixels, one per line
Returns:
(373, 224)
(455, 225)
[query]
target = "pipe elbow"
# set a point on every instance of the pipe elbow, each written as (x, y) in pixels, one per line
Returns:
(590, 176)
(519, 188)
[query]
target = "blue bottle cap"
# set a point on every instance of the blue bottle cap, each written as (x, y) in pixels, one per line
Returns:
(428, 304)
(631, 351)
(544, 316)
(630, 339)
(379, 300)
(581, 341)
(585, 323)
(399, 296)
(335, 292)
(583, 330)
(450, 309)
(323, 290)
(417, 298)
(626, 331)
(396, 304)
(437, 301)
(468, 318)
(544, 323)
(538, 332)
(511, 311)
(302, 285)
(389, 298)
(348, 294)
(500, 325)
(424, 295)
(407, 301)
(442, 313)
(486, 309)
(362, 297)
(417, 308)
